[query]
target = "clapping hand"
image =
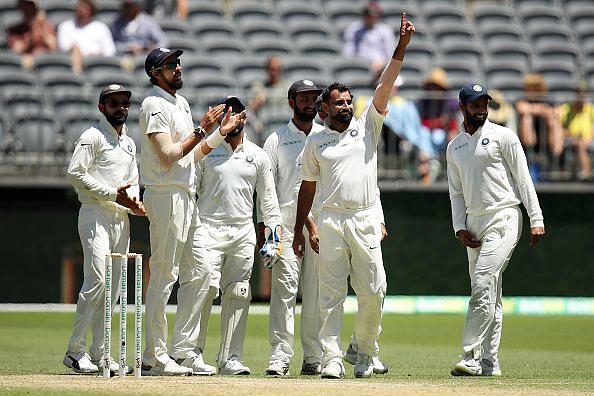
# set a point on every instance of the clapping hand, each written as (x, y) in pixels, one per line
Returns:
(209, 121)
(230, 122)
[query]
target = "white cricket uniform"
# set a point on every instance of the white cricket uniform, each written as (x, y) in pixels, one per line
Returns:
(178, 246)
(488, 178)
(284, 148)
(227, 181)
(344, 165)
(102, 161)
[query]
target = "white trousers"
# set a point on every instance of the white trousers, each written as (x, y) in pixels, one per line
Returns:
(102, 230)
(178, 251)
(231, 253)
(499, 233)
(350, 245)
(287, 274)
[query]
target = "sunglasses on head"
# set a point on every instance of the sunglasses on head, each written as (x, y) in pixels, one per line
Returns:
(116, 104)
(171, 65)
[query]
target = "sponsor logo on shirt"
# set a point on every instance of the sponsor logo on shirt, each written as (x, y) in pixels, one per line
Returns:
(291, 142)
(460, 146)
(328, 143)
(218, 155)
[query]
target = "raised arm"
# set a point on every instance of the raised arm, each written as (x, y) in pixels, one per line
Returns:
(386, 82)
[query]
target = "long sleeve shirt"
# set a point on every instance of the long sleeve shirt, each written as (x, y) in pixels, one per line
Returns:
(487, 172)
(227, 181)
(103, 161)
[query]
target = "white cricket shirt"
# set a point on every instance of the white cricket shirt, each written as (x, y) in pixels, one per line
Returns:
(284, 147)
(345, 164)
(164, 113)
(487, 172)
(227, 180)
(102, 162)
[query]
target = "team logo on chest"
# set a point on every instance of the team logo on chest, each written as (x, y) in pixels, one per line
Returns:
(129, 148)
(354, 133)
(485, 141)
(249, 159)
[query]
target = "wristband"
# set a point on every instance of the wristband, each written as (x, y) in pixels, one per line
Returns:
(200, 132)
(214, 139)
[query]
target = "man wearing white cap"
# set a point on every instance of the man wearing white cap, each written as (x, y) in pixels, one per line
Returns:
(103, 172)
(342, 159)
(170, 145)
(488, 178)
(227, 179)
(283, 147)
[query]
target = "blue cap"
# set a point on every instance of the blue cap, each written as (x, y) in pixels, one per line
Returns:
(158, 57)
(472, 91)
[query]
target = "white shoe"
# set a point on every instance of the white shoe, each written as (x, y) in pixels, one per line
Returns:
(80, 362)
(278, 368)
(333, 370)
(378, 366)
(363, 366)
(197, 364)
(234, 366)
(468, 366)
(114, 367)
(171, 368)
(350, 356)
(491, 368)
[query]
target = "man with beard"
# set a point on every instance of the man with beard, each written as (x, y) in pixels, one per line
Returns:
(227, 179)
(342, 160)
(283, 148)
(169, 148)
(103, 172)
(488, 178)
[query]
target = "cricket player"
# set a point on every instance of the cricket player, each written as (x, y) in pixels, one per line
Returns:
(342, 159)
(488, 178)
(283, 148)
(227, 179)
(170, 145)
(103, 172)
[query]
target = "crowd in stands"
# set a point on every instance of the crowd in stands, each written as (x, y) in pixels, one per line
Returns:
(256, 49)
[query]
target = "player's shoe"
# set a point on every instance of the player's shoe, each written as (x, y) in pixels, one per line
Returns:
(350, 356)
(363, 366)
(234, 366)
(468, 366)
(278, 368)
(171, 368)
(491, 368)
(311, 368)
(196, 362)
(80, 362)
(114, 367)
(378, 366)
(333, 370)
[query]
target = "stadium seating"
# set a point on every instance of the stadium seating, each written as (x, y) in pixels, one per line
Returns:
(51, 62)
(10, 61)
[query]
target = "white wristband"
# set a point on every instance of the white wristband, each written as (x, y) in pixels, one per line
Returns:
(214, 139)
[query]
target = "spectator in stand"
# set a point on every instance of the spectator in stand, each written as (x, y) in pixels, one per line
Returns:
(370, 39)
(163, 8)
(135, 32)
(539, 126)
(501, 112)
(270, 94)
(33, 35)
(84, 35)
(437, 111)
(577, 120)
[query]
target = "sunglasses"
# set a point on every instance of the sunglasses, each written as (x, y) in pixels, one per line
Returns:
(116, 104)
(170, 65)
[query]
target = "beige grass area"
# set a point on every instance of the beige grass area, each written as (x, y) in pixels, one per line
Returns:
(60, 384)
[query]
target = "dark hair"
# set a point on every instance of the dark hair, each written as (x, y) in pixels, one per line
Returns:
(338, 86)
(91, 5)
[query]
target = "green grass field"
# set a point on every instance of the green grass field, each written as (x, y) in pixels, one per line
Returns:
(539, 355)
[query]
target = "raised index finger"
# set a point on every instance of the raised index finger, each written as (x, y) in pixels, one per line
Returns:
(403, 17)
